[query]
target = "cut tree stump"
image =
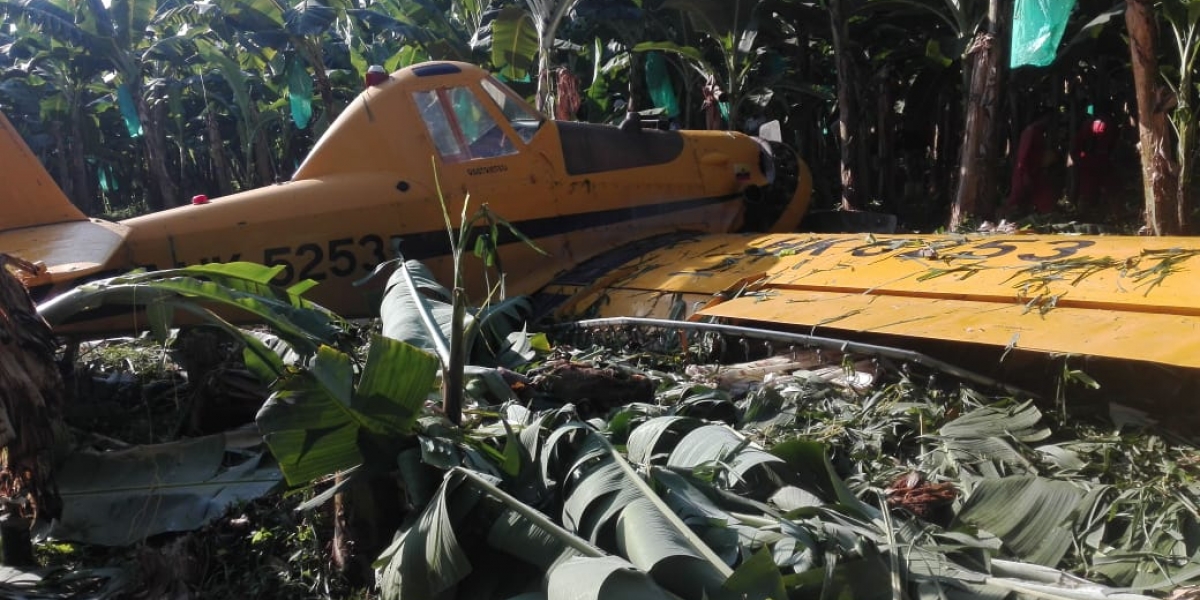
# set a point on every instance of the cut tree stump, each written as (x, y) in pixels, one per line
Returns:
(31, 395)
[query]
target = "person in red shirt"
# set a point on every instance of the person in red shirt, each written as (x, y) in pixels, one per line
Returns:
(1091, 159)
(1033, 183)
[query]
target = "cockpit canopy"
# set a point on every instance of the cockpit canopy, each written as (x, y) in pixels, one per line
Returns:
(463, 129)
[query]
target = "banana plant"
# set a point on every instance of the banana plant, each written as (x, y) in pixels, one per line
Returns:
(743, 41)
(514, 33)
(320, 421)
(258, 166)
(242, 289)
(63, 79)
(1183, 19)
(117, 32)
(268, 26)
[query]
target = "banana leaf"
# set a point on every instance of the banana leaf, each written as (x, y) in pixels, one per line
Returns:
(514, 42)
(120, 498)
(496, 334)
(652, 441)
(585, 578)
(1031, 514)
(309, 17)
(427, 559)
(981, 438)
(809, 461)
(738, 464)
(238, 286)
(610, 505)
(315, 419)
(1020, 422)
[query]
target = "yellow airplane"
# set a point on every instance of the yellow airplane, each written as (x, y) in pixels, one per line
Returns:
(634, 222)
(577, 189)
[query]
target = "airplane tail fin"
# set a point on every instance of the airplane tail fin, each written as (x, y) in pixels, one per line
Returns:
(28, 195)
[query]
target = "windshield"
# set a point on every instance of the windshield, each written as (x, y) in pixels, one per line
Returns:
(461, 127)
(523, 120)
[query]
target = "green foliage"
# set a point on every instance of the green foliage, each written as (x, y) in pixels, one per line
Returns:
(318, 421)
(237, 290)
(792, 486)
(493, 332)
(188, 484)
(787, 520)
(514, 43)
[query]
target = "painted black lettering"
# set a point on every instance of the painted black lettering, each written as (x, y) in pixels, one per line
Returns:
(341, 260)
(278, 256)
(309, 270)
(874, 249)
(812, 248)
(487, 170)
(374, 244)
(996, 248)
(217, 259)
(1065, 248)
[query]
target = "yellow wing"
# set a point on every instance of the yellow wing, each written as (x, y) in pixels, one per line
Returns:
(1127, 298)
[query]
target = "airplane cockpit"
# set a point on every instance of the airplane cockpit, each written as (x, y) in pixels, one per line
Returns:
(463, 129)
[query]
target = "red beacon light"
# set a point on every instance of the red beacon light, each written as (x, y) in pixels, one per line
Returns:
(199, 199)
(375, 76)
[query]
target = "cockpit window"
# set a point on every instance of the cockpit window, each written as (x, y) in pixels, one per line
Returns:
(461, 128)
(524, 121)
(438, 124)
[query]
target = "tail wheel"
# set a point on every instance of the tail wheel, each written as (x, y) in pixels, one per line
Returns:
(780, 204)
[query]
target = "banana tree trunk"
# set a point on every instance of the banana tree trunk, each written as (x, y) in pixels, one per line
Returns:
(978, 154)
(1184, 200)
(81, 193)
(545, 84)
(165, 193)
(849, 128)
(62, 170)
(31, 395)
(1160, 173)
(547, 22)
(259, 149)
(1184, 117)
(884, 157)
(365, 514)
(216, 154)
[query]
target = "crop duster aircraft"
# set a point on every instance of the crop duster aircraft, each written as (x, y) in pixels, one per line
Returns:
(634, 222)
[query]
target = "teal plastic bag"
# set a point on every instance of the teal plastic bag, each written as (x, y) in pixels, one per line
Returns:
(1038, 27)
(129, 111)
(658, 83)
(101, 172)
(300, 92)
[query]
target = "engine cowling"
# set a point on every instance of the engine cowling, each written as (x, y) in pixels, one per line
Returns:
(782, 202)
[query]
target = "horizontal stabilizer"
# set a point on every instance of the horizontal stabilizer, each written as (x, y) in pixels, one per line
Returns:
(64, 251)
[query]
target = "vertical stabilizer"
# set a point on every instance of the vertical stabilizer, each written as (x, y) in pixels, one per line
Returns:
(28, 195)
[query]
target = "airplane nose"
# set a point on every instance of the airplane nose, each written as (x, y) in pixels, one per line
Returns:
(780, 204)
(766, 159)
